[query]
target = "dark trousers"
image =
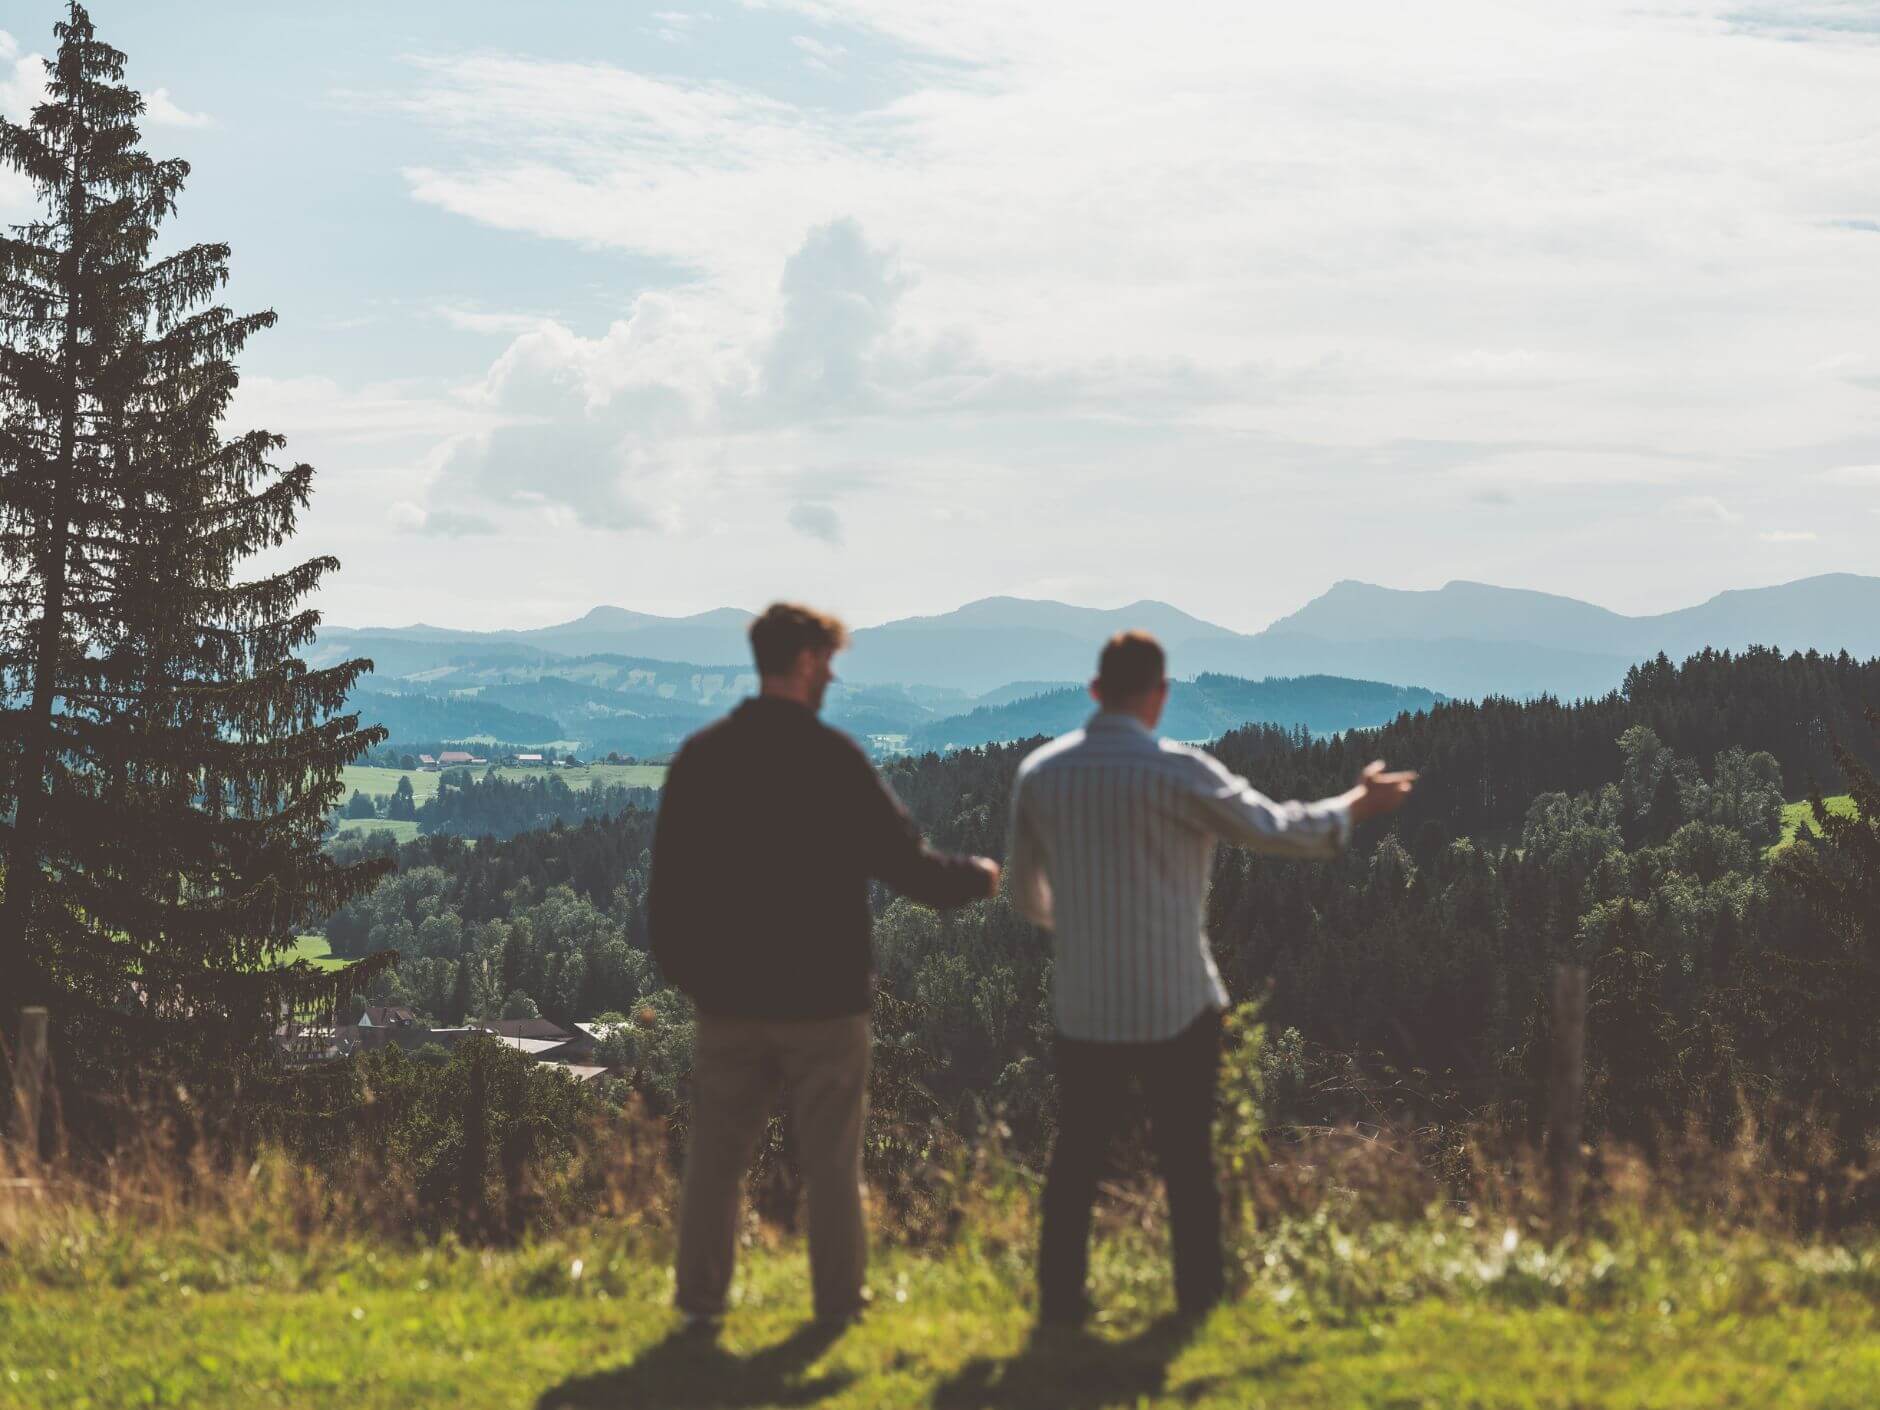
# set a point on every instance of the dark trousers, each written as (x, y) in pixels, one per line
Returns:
(1179, 1077)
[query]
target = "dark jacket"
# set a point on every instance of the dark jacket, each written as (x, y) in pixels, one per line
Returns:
(770, 826)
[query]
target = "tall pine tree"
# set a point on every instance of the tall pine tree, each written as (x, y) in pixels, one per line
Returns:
(168, 759)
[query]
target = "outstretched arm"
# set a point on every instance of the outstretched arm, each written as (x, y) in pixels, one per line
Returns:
(1228, 806)
(896, 854)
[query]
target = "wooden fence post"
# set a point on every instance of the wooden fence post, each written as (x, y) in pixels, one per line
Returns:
(1566, 1095)
(29, 1080)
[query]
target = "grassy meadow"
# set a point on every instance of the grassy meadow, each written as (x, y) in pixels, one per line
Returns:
(316, 951)
(403, 829)
(1444, 1313)
(1796, 816)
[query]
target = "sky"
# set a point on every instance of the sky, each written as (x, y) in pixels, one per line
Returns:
(888, 305)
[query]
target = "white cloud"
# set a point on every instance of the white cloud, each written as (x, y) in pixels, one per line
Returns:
(1788, 536)
(597, 428)
(160, 110)
(22, 88)
(1520, 200)
(838, 306)
(22, 80)
(1326, 273)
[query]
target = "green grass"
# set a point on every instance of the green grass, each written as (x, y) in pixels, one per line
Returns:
(404, 829)
(316, 951)
(377, 782)
(1403, 1317)
(1796, 816)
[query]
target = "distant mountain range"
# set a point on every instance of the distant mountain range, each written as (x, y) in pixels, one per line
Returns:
(597, 705)
(1464, 639)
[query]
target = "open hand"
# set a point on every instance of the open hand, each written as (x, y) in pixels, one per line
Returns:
(1379, 792)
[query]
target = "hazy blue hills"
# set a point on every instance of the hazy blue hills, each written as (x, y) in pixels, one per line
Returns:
(1201, 709)
(718, 635)
(429, 719)
(1464, 639)
(1832, 612)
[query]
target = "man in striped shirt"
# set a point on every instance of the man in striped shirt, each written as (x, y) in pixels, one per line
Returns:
(1112, 841)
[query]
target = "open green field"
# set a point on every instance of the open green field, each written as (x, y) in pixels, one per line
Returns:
(1331, 1321)
(404, 829)
(1796, 816)
(315, 950)
(384, 782)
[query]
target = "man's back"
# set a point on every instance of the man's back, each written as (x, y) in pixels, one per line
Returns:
(770, 826)
(1112, 842)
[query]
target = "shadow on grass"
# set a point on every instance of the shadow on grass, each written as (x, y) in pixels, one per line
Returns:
(691, 1372)
(1066, 1370)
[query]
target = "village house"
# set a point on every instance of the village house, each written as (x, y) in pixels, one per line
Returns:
(387, 1016)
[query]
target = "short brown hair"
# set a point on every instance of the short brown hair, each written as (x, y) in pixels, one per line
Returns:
(787, 628)
(1131, 663)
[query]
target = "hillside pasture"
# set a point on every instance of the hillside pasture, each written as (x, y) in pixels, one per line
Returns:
(1796, 816)
(402, 829)
(316, 951)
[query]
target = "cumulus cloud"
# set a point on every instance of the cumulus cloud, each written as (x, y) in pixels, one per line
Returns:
(22, 80)
(677, 400)
(160, 110)
(1279, 266)
(22, 87)
(838, 301)
(597, 428)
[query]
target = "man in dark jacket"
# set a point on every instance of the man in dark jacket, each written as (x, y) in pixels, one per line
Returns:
(771, 825)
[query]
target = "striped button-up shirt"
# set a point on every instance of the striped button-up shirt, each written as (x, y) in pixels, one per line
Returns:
(1112, 843)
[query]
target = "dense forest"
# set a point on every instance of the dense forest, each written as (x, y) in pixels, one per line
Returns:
(1633, 833)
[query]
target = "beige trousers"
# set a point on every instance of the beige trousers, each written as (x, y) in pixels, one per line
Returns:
(739, 1065)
